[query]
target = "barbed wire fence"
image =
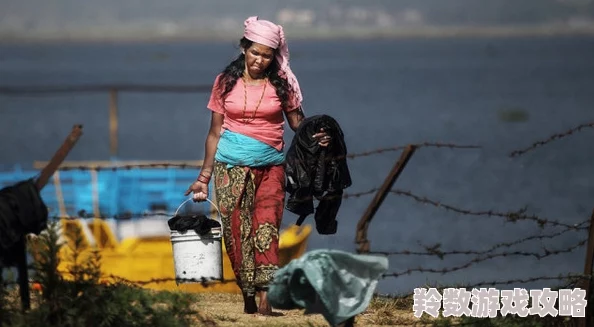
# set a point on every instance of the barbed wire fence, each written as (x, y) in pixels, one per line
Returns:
(585, 228)
(363, 243)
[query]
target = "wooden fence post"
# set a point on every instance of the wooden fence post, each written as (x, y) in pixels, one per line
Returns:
(363, 225)
(59, 156)
(46, 173)
(113, 122)
(583, 322)
(23, 273)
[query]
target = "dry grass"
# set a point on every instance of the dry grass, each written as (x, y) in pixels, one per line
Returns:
(224, 309)
(227, 310)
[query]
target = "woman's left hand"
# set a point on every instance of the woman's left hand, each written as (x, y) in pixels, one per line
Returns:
(322, 137)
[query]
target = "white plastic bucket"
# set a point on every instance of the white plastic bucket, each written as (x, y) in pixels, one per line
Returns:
(197, 258)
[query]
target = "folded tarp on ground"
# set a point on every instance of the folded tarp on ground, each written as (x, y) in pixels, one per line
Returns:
(343, 283)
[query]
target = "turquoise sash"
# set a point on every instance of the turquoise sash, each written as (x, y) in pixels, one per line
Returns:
(236, 149)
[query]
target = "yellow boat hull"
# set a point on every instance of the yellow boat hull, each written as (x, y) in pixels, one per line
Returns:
(149, 260)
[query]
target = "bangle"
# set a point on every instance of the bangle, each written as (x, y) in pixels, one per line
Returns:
(203, 179)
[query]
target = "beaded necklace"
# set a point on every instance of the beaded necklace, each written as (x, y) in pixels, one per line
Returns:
(248, 120)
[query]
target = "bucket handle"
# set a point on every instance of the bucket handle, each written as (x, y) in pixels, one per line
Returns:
(212, 203)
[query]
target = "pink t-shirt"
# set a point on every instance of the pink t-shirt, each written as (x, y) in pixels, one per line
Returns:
(266, 125)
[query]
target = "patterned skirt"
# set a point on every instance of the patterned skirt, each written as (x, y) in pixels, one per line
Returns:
(251, 202)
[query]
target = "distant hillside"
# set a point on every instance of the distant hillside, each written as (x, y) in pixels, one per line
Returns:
(199, 18)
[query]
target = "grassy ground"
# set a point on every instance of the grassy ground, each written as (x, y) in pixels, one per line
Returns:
(222, 309)
(227, 310)
(84, 301)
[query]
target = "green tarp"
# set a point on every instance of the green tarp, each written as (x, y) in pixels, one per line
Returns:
(337, 283)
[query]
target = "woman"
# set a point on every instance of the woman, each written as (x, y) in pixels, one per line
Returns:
(244, 153)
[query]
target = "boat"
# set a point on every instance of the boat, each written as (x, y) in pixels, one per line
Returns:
(120, 209)
(148, 260)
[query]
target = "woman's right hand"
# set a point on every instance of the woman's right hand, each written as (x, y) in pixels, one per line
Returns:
(200, 191)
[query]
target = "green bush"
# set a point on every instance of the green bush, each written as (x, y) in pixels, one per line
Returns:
(84, 301)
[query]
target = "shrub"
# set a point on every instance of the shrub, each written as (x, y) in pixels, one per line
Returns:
(83, 299)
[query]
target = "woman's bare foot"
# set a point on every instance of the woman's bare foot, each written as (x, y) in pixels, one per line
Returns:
(264, 307)
(249, 304)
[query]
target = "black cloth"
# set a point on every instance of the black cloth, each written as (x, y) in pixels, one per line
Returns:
(22, 211)
(199, 223)
(313, 171)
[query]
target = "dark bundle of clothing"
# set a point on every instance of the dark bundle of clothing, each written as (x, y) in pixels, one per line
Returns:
(22, 211)
(314, 171)
(201, 224)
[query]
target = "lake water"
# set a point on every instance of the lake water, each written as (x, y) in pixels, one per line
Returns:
(384, 93)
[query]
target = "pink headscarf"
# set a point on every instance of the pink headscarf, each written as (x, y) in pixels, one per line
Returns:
(269, 34)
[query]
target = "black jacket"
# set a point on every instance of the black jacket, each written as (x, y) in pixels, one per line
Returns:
(315, 171)
(22, 211)
(201, 224)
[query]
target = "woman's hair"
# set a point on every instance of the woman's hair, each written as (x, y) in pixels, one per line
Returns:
(235, 70)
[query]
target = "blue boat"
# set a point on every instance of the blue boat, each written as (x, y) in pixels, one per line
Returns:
(120, 191)
(134, 201)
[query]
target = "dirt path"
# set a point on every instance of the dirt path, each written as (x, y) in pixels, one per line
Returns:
(227, 310)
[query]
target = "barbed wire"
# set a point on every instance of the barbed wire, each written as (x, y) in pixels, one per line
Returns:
(166, 165)
(106, 278)
(418, 145)
(116, 166)
(204, 282)
(434, 250)
(212, 282)
(418, 322)
(510, 216)
(101, 88)
(570, 277)
(208, 282)
(536, 255)
(168, 213)
(551, 139)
